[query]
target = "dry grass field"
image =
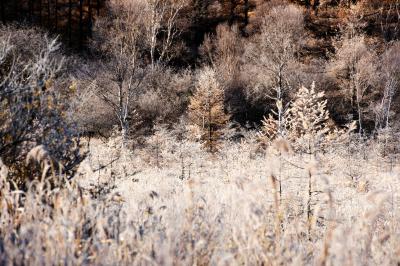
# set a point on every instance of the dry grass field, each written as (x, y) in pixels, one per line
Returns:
(238, 207)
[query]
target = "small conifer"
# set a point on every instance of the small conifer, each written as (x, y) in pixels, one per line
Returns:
(206, 110)
(308, 119)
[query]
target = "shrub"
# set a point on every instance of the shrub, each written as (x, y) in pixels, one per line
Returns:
(33, 113)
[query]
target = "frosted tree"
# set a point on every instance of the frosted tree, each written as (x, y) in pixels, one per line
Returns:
(276, 124)
(206, 110)
(274, 54)
(391, 82)
(308, 119)
(120, 78)
(355, 71)
(161, 26)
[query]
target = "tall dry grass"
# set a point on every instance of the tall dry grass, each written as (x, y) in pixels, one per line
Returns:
(121, 210)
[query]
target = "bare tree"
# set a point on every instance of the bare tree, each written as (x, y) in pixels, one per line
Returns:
(354, 69)
(123, 68)
(390, 19)
(391, 82)
(383, 15)
(223, 52)
(274, 54)
(161, 26)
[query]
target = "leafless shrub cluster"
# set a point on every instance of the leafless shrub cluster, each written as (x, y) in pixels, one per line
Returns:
(33, 112)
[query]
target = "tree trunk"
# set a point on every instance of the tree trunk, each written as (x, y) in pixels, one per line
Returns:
(40, 12)
(81, 24)
(315, 7)
(122, 114)
(279, 98)
(210, 129)
(309, 211)
(232, 13)
(16, 10)
(70, 23)
(30, 12)
(56, 16)
(48, 14)
(246, 13)
(2, 11)
(388, 111)
(124, 133)
(359, 117)
(90, 19)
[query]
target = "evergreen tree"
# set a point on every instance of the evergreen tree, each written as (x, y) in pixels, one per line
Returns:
(206, 110)
(276, 124)
(306, 123)
(308, 119)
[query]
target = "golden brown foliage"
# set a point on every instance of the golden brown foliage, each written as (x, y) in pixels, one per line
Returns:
(206, 110)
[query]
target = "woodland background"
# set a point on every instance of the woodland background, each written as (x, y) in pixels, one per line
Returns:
(323, 29)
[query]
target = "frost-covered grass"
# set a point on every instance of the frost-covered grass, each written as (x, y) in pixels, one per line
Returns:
(177, 205)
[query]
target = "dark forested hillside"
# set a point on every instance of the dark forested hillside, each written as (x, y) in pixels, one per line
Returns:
(192, 33)
(73, 19)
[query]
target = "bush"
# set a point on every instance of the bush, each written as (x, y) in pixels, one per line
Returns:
(34, 115)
